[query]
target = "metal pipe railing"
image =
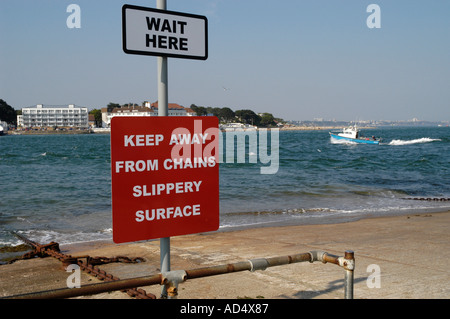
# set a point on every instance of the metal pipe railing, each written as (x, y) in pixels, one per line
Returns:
(171, 279)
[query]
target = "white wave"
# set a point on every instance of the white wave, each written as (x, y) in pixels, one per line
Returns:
(11, 243)
(47, 236)
(341, 141)
(416, 141)
(246, 225)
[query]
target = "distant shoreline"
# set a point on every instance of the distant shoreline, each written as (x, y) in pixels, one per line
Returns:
(318, 128)
(309, 128)
(106, 131)
(32, 132)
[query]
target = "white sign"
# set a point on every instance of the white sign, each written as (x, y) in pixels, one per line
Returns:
(149, 31)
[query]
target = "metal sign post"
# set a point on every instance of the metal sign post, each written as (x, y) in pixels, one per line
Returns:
(163, 110)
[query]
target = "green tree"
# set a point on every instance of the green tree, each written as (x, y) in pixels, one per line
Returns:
(214, 111)
(226, 114)
(111, 106)
(7, 113)
(267, 120)
(98, 117)
(199, 110)
(248, 117)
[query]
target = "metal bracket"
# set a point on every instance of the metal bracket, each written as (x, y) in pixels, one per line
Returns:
(171, 280)
(347, 264)
(317, 255)
(258, 264)
(348, 261)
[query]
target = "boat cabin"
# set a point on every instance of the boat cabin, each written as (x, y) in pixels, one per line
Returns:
(350, 132)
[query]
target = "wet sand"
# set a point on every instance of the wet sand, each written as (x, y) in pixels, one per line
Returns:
(401, 257)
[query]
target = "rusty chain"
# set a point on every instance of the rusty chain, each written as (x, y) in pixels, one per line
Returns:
(441, 199)
(106, 260)
(88, 265)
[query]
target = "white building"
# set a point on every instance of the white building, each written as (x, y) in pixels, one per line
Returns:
(125, 111)
(3, 128)
(146, 110)
(174, 109)
(50, 116)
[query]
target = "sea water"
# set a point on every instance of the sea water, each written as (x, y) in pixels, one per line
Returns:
(58, 187)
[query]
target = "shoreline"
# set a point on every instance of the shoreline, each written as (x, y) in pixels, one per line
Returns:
(311, 220)
(410, 251)
(337, 220)
(107, 131)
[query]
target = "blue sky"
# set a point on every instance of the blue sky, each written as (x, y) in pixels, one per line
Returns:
(297, 59)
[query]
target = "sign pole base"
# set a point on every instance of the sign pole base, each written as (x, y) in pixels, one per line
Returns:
(164, 246)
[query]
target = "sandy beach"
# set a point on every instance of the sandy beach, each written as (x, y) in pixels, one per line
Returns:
(401, 257)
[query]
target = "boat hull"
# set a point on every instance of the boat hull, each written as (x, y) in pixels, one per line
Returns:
(354, 140)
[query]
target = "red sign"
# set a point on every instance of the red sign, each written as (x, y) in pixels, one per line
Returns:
(165, 176)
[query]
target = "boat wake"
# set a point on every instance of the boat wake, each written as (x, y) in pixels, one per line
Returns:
(336, 141)
(416, 141)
